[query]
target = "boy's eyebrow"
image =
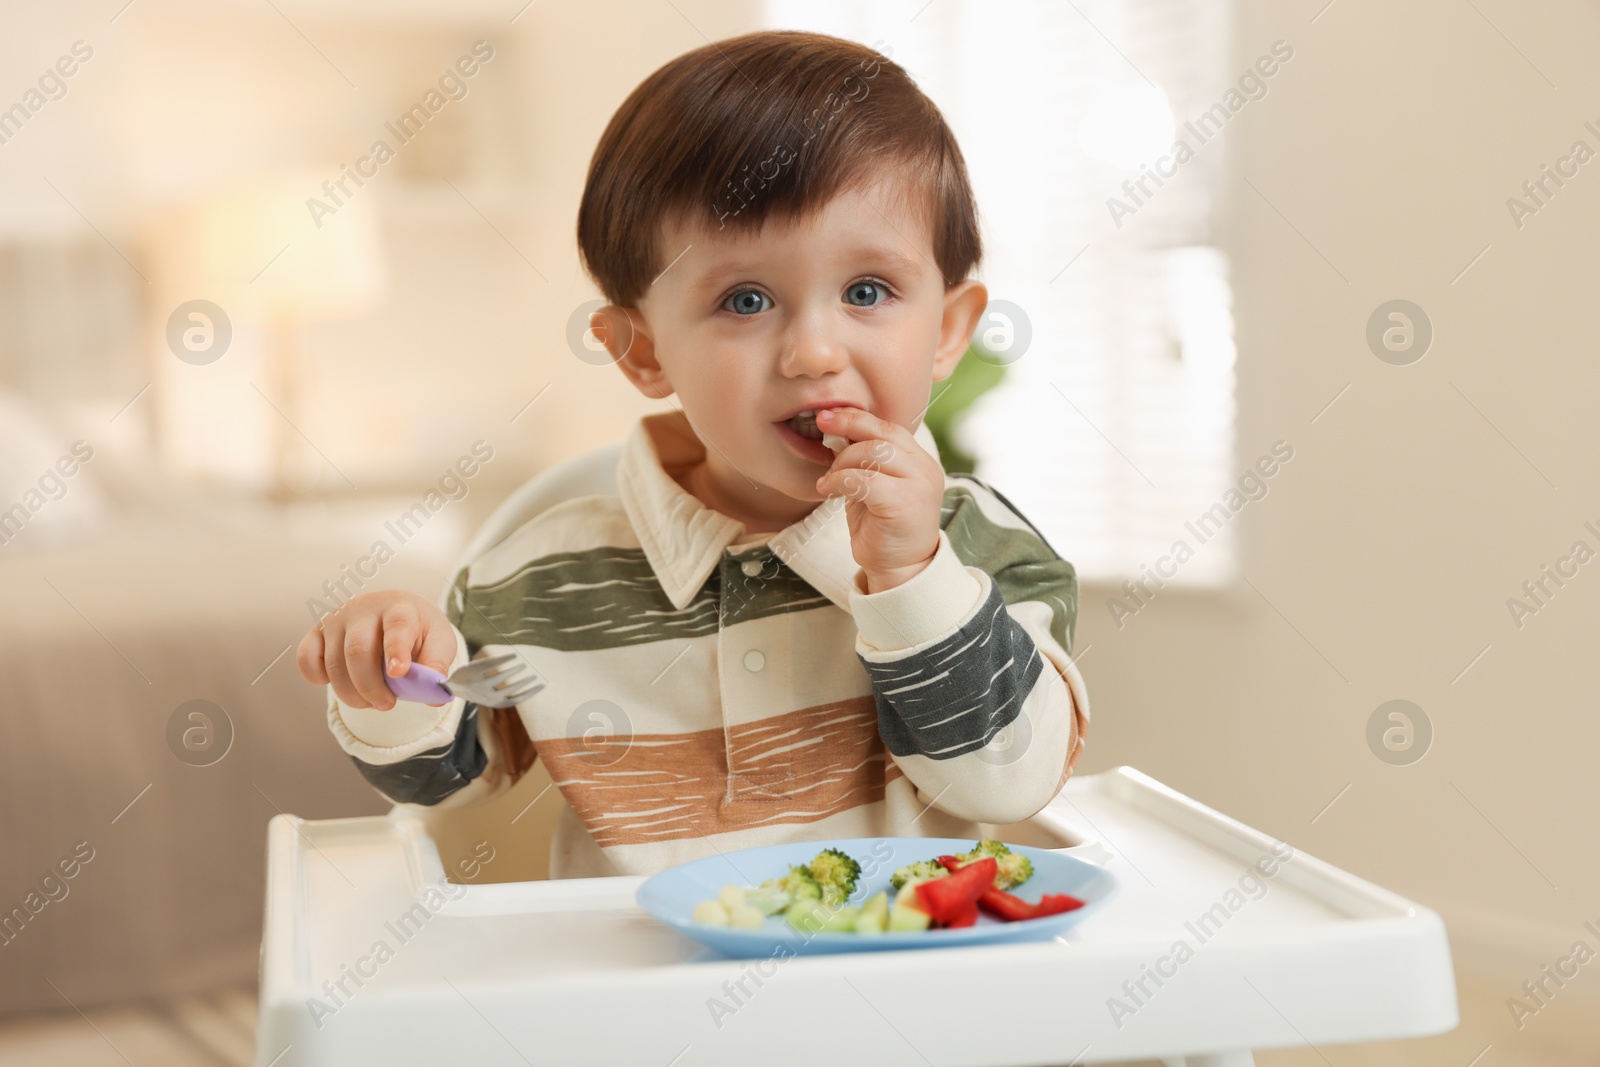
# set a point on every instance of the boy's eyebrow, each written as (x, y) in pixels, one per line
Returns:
(717, 274)
(893, 256)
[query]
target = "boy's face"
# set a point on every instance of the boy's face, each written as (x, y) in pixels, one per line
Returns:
(845, 308)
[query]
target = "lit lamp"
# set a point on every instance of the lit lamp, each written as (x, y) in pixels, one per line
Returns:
(259, 250)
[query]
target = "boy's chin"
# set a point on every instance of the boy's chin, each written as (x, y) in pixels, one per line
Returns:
(800, 485)
(804, 490)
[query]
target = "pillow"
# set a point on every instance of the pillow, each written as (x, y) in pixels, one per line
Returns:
(47, 499)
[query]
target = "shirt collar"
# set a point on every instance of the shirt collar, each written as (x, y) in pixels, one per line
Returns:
(684, 540)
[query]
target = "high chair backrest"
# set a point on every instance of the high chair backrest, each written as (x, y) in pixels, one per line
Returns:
(592, 473)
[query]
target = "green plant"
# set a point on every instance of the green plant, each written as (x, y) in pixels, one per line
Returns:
(975, 374)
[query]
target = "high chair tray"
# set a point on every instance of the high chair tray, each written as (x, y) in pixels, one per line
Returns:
(1214, 944)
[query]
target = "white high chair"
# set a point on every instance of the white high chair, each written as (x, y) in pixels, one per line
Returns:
(572, 971)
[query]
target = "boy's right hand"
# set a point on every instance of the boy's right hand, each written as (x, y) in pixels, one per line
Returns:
(352, 648)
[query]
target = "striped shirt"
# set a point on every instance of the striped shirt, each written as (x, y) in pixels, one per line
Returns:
(708, 690)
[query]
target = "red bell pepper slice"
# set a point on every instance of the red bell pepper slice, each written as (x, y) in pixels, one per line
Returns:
(1011, 908)
(967, 917)
(952, 900)
(999, 903)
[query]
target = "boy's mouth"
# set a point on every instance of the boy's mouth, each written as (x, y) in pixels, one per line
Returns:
(806, 438)
(805, 424)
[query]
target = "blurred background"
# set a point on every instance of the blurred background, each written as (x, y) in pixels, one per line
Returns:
(240, 344)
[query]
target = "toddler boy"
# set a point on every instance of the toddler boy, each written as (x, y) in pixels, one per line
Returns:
(756, 639)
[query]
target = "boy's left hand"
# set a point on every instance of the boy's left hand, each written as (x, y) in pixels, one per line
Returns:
(893, 490)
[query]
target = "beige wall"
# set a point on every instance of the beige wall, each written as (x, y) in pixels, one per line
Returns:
(1392, 541)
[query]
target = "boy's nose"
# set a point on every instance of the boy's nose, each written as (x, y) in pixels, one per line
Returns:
(813, 354)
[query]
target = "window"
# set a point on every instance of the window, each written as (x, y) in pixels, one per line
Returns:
(1115, 426)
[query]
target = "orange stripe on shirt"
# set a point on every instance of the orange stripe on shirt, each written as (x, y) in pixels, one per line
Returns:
(797, 767)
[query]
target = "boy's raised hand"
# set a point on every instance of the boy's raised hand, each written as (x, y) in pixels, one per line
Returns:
(893, 490)
(348, 648)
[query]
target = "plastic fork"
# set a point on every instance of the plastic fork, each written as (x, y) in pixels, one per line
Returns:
(497, 682)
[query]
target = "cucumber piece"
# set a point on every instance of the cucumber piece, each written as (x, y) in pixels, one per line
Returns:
(872, 922)
(903, 917)
(807, 916)
(815, 917)
(769, 899)
(876, 908)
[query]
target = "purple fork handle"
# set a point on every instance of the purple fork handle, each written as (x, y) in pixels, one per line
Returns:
(421, 684)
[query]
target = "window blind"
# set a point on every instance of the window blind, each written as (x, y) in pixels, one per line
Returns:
(1115, 426)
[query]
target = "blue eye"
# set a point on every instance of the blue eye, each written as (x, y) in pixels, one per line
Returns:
(746, 302)
(865, 294)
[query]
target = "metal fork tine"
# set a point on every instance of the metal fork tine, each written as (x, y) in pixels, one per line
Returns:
(498, 681)
(518, 684)
(522, 694)
(485, 667)
(508, 679)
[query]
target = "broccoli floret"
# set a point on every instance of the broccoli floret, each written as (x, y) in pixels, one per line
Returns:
(778, 894)
(922, 869)
(987, 847)
(1015, 868)
(836, 873)
(799, 883)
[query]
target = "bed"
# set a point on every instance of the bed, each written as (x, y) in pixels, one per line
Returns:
(118, 618)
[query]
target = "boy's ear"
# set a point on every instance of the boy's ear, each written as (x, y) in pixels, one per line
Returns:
(624, 333)
(963, 307)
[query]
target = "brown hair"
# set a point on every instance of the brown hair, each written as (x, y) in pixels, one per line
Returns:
(768, 125)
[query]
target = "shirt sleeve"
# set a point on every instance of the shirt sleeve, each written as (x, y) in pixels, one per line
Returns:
(979, 701)
(415, 753)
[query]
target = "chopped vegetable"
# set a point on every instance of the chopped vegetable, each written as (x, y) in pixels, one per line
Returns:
(952, 900)
(829, 879)
(711, 913)
(816, 917)
(922, 869)
(946, 892)
(836, 873)
(1003, 905)
(967, 916)
(874, 917)
(906, 913)
(776, 894)
(768, 899)
(1015, 868)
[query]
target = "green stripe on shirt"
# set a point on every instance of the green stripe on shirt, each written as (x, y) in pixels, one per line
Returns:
(1022, 564)
(609, 597)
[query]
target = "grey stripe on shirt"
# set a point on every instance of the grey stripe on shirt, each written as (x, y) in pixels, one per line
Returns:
(430, 776)
(953, 697)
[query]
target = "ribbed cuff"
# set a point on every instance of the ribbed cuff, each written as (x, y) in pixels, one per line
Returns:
(921, 610)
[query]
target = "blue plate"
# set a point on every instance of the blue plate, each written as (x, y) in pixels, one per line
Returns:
(672, 894)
